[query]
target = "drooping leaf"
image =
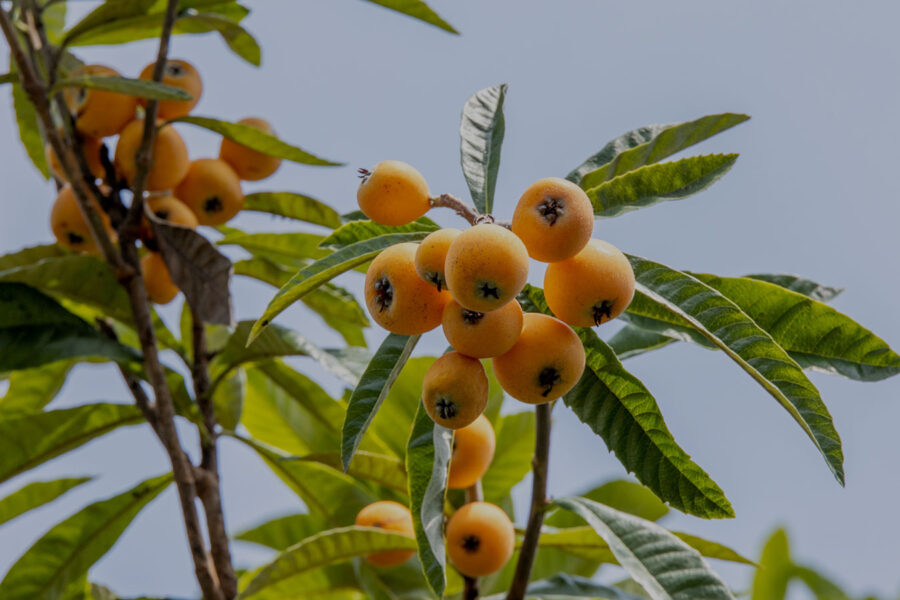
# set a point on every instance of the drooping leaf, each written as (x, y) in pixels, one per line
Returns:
(256, 139)
(512, 457)
(813, 333)
(648, 145)
(29, 127)
(141, 88)
(358, 231)
(108, 12)
(652, 184)
(35, 330)
(326, 548)
(417, 10)
(32, 389)
(620, 494)
(29, 439)
(293, 206)
(372, 389)
(632, 340)
(711, 549)
(238, 39)
(481, 135)
(321, 271)
(70, 548)
(729, 328)
(34, 495)
(292, 246)
(282, 533)
(816, 291)
(664, 565)
(199, 270)
(428, 467)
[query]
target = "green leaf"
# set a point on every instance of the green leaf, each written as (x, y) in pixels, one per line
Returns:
(664, 565)
(30, 131)
(314, 275)
(632, 340)
(386, 471)
(620, 494)
(228, 399)
(397, 414)
(9, 78)
(293, 206)
(31, 255)
(481, 135)
(729, 328)
(816, 291)
(294, 245)
(771, 580)
(70, 548)
(256, 139)
(238, 39)
(32, 389)
(512, 457)
(35, 494)
(35, 330)
(417, 10)
(276, 341)
(339, 310)
(29, 439)
(282, 533)
(326, 548)
(652, 184)
(124, 85)
(819, 585)
(373, 387)
(815, 335)
(358, 231)
(108, 12)
(428, 467)
(649, 145)
(712, 549)
(564, 585)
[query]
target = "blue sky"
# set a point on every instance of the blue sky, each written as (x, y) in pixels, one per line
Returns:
(814, 193)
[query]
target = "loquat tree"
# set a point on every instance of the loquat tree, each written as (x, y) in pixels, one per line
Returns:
(407, 479)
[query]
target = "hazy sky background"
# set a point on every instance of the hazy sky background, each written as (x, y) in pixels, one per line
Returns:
(814, 193)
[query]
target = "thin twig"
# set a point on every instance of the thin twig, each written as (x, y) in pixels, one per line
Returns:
(134, 384)
(538, 503)
(473, 494)
(472, 216)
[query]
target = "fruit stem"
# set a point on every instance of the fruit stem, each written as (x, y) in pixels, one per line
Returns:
(472, 216)
(539, 503)
(470, 592)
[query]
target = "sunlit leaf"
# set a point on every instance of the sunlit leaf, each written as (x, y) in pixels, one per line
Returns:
(358, 231)
(293, 206)
(34, 495)
(283, 532)
(32, 389)
(416, 9)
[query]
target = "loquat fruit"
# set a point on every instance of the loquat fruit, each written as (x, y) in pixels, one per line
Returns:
(554, 219)
(393, 193)
(473, 450)
(90, 146)
(69, 225)
(455, 390)
(482, 335)
(157, 280)
(396, 296)
(480, 539)
(212, 190)
(432, 255)
(179, 74)
(169, 161)
(169, 209)
(546, 361)
(593, 287)
(487, 266)
(391, 516)
(250, 165)
(99, 113)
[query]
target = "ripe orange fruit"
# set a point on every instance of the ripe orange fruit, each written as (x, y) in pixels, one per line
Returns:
(99, 113)
(157, 280)
(182, 75)
(169, 209)
(593, 287)
(546, 361)
(169, 158)
(91, 147)
(487, 266)
(455, 390)
(391, 516)
(393, 193)
(480, 539)
(482, 335)
(473, 450)
(554, 219)
(250, 165)
(212, 190)
(432, 255)
(70, 227)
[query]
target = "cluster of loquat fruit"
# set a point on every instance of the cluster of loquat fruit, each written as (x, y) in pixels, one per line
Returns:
(467, 282)
(183, 192)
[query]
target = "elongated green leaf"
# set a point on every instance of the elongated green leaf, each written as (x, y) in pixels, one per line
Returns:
(29, 128)
(397, 414)
(29, 439)
(32, 389)
(256, 139)
(428, 467)
(417, 10)
(326, 548)
(293, 206)
(228, 399)
(620, 494)
(813, 333)
(68, 550)
(325, 412)
(372, 389)
(358, 231)
(649, 145)
(564, 585)
(822, 587)
(339, 310)
(652, 184)
(816, 291)
(30, 255)
(276, 341)
(664, 565)
(36, 494)
(712, 549)
(124, 85)
(386, 471)
(632, 340)
(282, 533)
(108, 12)
(264, 269)
(311, 277)
(238, 39)
(480, 137)
(512, 457)
(294, 245)
(729, 328)
(771, 580)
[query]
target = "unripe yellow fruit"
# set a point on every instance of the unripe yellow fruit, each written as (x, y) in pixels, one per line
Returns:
(455, 390)
(554, 219)
(393, 193)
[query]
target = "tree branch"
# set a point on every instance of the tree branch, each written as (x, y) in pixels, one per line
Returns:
(470, 592)
(472, 216)
(538, 503)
